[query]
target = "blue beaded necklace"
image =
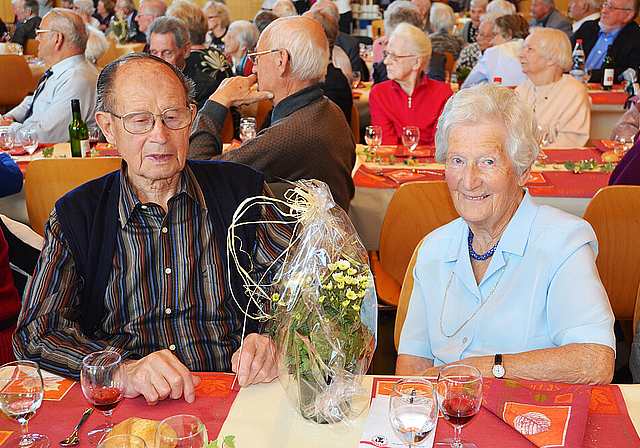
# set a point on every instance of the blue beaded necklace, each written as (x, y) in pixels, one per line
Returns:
(474, 255)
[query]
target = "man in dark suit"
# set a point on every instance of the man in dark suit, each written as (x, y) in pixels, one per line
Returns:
(616, 27)
(27, 13)
(127, 10)
(545, 14)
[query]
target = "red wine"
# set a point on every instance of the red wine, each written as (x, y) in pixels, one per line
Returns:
(106, 399)
(93, 142)
(459, 410)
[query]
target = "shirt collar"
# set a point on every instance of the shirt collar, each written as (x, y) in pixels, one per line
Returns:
(129, 202)
(422, 85)
(612, 34)
(296, 101)
(60, 67)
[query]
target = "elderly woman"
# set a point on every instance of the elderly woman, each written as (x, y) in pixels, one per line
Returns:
(242, 37)
(398, 12)
(218, 21)
(104, 13)
(559, 101)
(471, 54)
(502, 60)
(510, 287)
(409, 98)
(470, 29)
(86, 10)
(442, 19)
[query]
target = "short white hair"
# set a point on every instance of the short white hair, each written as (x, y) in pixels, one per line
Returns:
(502, 6)
(554, 46)
(401, 11)
(490, 17)
(416, 40)
(442, 17)
(479, 4)
(309, 57)
(284, 8)
(246, 33)
(492, 104)
(85, 5)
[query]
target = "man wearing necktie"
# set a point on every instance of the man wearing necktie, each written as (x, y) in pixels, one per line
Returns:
(63, 38)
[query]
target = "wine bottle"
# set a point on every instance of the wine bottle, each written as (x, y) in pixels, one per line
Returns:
(607, 71)
(78, 132)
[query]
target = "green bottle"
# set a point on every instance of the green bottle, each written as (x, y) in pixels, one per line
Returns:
(607, 71)
(78, 132)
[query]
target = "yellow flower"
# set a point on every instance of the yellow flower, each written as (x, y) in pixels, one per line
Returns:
(351, 271)
(345, 304)
(351, 295)
(361, 294)
(340, 285)
(329, 286)
(343, 265)
(275, 297)
(332, 266)
(321, 299)
(338, 276)
(356, 307)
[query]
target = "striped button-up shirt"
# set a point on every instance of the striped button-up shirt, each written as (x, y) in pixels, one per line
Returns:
(167, 287)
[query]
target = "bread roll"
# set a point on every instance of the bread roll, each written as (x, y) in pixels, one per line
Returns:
(143, 428)
(610, 156)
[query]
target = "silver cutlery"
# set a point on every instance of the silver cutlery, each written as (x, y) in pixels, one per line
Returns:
(73, 439)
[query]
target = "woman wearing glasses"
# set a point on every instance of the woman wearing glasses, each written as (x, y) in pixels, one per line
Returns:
(409, 98)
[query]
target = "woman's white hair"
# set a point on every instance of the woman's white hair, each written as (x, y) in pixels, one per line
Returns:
(418, 43)
(479, 4)
(442, 17)
(86, 6)
(502, 6)
(401, 11)
(246, 33)
(554, 46)
(490, 17)
(497, 105)
(309, 57)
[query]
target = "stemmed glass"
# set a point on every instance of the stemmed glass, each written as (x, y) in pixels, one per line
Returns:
(545, 139)
(103, 378)
(373, 137)
(621, 145)
(248, 128)
(587, 76)
(459, 391)
(410, 137)
(21, 394)
(181, 431)
(29, 139)
(413, 410)
(357, 76)
(7, 137)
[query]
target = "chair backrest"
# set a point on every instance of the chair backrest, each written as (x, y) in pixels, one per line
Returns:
(415, 210)
(227, 130)
(355, 123)
(636, 311)
(377, 27)
(31, 46)
(403, 300)
(449, 64)
(110, 55)
(264, 107)
(47, 180)
(614, 214)
(15, 79)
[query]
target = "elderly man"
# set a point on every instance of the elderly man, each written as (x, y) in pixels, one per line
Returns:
(309, 136)
(169, 40)
(127, 10)
(134, 262)
(470, 29)
(545, 14)
(63, 39)
(27, 14)
(284, 8)
(582, 11)
(148, 12)
(616, 27)
(425, 8)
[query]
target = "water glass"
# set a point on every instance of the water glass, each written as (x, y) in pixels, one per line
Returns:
(621, 145)
(7, 137)
(373, 137)
(413, 410)
(29, 139)
(21, 394)
(410, 137)
(123, 441)
(248, 128)
(181, 431)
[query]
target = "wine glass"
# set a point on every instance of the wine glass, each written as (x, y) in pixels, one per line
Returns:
(373, 137)
(621, 145)
(459, 391)
(248, 128)
(587, 76)
(413, 410)
(7, 137)
(181, 431)
(21, 393)
(29, 139)
(545, 139)
(357, 76)
(94, 135)
(123, 441)
(410, 137)
(104, 379)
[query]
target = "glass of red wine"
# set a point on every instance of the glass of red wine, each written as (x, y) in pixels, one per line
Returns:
(459, 392)
(103, 379)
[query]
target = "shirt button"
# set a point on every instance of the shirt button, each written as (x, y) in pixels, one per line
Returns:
(165, 230)
(167, 311)
(167, 271)
(172, 347)
(464, 341)
(144, 207)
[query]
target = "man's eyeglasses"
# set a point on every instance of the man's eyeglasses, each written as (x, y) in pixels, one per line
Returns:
(142, 122)
(253, 57)
(42, 31)
(610, 6)
(394, 57)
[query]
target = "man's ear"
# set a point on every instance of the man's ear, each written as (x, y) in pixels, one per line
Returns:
(59, 41)
(105, 121)
(284, 63)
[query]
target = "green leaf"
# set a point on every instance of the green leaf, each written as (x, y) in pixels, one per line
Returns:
(569, 165)
(540, 398)
(229, 441)
(512, 384)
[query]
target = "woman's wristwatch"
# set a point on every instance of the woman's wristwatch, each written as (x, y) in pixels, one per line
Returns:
(498, 369)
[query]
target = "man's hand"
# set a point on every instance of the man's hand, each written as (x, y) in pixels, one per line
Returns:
(158, 376)
(237, 91)
(254, 362)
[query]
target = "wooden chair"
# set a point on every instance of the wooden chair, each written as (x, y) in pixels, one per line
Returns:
(403, 300)
(110, 55)
(377, 26)
(614, 214)
(49, 179)
(355, 123)
(227, 131)
(264, 107)
(636, 311)
(31, 46)
(416, 209)
(449, 65)
(15, 79)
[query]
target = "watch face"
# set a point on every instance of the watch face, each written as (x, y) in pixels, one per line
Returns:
(498, 371)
